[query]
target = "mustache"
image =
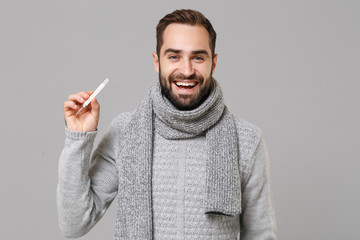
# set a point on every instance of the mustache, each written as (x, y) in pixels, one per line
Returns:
(180, 76)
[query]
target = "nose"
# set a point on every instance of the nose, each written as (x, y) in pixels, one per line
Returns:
(187, 68)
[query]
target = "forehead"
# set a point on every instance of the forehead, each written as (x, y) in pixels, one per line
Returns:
(186, 37)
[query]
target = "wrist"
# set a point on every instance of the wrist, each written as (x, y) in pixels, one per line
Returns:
(77, 135)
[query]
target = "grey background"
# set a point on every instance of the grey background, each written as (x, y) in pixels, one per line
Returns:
(290, 67)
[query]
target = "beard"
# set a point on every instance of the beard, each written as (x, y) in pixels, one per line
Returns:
(204, 91)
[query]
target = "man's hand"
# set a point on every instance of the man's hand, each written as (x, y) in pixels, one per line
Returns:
(87, 120)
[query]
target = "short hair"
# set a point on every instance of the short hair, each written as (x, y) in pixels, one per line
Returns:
(185, 16)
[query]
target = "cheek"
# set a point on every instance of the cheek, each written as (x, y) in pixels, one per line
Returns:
(168, 70)
(165, 69)
(205, 71)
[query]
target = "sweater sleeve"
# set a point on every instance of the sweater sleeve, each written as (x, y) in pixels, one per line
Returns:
(258, 217)
(87, 184)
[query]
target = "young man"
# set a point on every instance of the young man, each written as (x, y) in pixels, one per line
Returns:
(182, 166)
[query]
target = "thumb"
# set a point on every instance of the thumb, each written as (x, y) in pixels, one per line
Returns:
(95, 106)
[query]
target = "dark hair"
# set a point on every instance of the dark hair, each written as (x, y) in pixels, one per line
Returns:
(184, 16)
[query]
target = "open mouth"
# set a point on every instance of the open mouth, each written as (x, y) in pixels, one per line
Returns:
(185, 85)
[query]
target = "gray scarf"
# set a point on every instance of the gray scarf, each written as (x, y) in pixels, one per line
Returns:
(222, 172)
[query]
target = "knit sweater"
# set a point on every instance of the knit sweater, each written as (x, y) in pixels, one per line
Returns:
(179, 173)
(85, 191)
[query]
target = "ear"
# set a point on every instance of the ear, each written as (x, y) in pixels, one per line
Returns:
(156, 61)
(214, 63)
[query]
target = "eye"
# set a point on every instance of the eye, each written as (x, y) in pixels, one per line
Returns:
(173, 57)
(199, 58)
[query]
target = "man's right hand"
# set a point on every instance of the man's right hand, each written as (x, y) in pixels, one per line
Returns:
(87, 120)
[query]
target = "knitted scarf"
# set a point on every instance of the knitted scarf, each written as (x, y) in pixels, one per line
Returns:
(212, 118)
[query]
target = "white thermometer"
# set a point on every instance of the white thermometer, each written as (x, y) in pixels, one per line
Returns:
(102, 85)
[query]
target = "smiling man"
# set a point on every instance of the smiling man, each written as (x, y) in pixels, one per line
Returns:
(182, 166)
(187, 64)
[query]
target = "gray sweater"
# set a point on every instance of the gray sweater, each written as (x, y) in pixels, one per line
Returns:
(85, 190)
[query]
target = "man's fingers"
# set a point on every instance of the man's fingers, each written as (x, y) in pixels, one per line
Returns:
(70, 105)
(84, 94)
(80, 97)
(70, 108)
(76, 98)
(75, 101)
(89, 116)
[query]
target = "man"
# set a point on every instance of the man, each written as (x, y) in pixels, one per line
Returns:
(181, 165)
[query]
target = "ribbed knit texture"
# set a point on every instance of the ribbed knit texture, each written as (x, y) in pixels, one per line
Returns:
(179, 193)
(184, 124)
(214, 120)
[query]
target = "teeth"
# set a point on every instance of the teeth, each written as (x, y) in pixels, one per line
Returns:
(185, 84)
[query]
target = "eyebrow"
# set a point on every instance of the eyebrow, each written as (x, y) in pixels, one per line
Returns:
(172, 50)
(200, 52)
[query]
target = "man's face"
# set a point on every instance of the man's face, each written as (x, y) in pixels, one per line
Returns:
(185, 65)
